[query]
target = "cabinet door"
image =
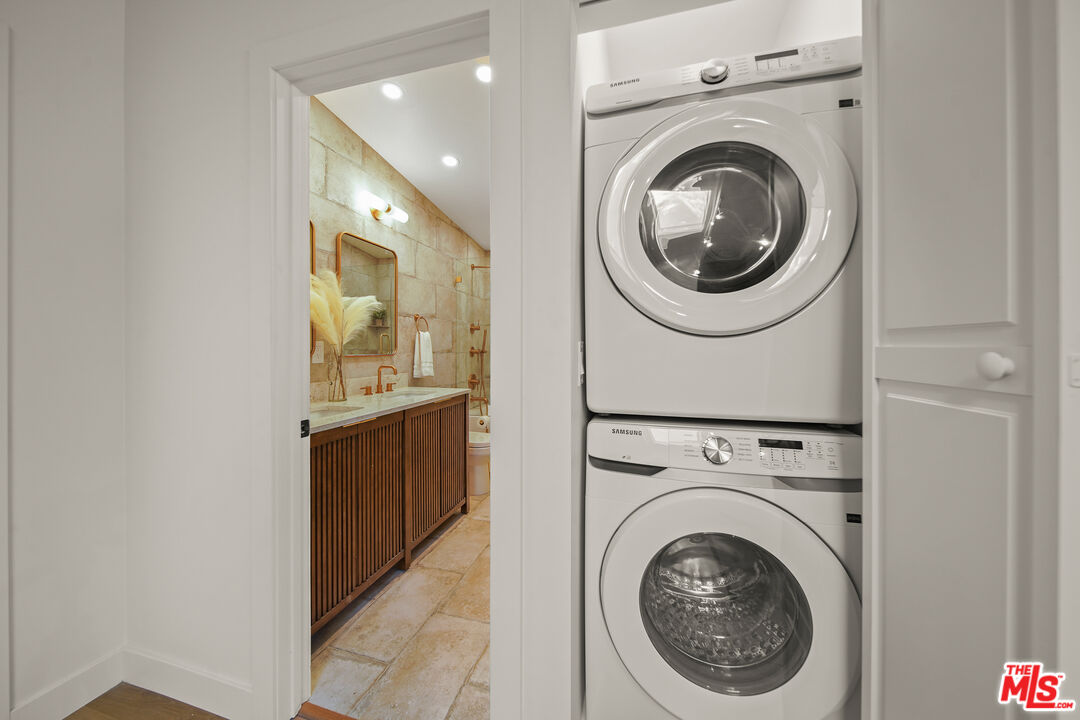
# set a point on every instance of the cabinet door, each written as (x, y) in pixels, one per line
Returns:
(436, 447)
(357, 526)
(956, 506)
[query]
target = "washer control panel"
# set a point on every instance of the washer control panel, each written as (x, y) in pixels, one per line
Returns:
(782, 451)
(791, 63)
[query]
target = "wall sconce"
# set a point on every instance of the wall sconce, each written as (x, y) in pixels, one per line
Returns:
(381, 210)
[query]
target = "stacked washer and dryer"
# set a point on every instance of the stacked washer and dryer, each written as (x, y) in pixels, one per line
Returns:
(723, 314)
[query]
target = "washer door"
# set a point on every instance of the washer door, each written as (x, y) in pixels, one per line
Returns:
(722, 605)
(728, 218)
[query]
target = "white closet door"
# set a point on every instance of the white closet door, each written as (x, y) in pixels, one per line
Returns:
(956, 168)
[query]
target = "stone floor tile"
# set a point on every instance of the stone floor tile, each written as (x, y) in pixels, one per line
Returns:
(425, 679)
(384, 628)
(460, 547)
(470, 598)
(482, 509)
(339, 679)
(472, 704)
(482, 673)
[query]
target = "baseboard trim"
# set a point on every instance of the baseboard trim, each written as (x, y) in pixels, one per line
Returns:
(72, 693)
(207, 691)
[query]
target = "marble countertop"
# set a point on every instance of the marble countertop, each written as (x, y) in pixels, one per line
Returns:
(329, 415)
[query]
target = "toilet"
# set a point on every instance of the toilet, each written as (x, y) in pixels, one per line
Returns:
(479, 455)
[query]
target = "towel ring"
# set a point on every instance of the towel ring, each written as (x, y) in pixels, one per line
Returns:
(418, 318)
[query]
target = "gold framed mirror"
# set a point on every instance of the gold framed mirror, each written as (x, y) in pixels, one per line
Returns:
(366, 268)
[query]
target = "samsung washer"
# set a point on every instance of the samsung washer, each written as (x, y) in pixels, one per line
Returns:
(722, 249)
(722, 572)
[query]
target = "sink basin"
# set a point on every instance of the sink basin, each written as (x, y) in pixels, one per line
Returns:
(335, 409)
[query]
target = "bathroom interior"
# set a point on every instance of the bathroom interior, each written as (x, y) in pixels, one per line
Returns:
(401, 395)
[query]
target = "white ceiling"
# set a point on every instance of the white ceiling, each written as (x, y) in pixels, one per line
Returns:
(444, 111)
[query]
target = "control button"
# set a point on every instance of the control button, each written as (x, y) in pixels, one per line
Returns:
(774, 65)
(717, 450)
(789, 466)
(762, 66)
(713, 72)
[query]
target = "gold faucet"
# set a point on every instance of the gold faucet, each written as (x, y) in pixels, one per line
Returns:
(379, 386)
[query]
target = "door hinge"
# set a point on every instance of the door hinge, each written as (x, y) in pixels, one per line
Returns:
(305, 428)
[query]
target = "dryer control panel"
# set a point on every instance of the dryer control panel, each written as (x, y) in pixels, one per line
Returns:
(781, 65)
(780, 451)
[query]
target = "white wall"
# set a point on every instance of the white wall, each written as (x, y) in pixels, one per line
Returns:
(200, 490)
(806, 21)
(728, 28)
(190, 463)
(67, 340)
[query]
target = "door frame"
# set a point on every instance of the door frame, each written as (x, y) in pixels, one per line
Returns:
(284, 74)
(532, 669)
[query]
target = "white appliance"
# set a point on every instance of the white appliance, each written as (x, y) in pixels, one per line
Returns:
(722, 571)
(722, 252)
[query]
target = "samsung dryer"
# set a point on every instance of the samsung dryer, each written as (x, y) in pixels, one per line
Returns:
(722, 572)
(722, 249)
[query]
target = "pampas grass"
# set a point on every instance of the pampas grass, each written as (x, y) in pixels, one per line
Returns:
(357, 315)
(338, 319)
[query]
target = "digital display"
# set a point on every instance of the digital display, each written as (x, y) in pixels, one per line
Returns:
(773, 56)
(782, 444)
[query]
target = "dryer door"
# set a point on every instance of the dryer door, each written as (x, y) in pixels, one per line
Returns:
(722, 605)
(728, 218)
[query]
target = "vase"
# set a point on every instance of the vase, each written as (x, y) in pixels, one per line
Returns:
(337, 378)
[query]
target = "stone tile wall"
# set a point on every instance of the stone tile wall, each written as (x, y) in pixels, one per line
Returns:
(433, 253)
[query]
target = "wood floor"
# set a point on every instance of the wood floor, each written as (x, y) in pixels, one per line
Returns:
(127, 702)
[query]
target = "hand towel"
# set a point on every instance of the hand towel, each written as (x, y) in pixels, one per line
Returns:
(423, 361)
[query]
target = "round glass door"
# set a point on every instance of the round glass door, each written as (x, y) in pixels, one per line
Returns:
(722, 605)
(728, 217)
(722, 217)
(725, 613)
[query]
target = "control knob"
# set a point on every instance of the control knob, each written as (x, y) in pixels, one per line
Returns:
(713, 72)
(717, 450)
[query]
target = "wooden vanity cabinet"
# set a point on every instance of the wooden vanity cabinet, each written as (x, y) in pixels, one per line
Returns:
(436, 449)
(378, 488)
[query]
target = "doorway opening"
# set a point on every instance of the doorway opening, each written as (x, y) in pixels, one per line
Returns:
(400, 394)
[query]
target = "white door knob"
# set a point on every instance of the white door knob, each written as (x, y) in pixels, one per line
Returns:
(994, 366)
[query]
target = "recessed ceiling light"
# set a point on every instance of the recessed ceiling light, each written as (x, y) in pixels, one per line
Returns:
(392, 91)
(483, 73)
(449, 161)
